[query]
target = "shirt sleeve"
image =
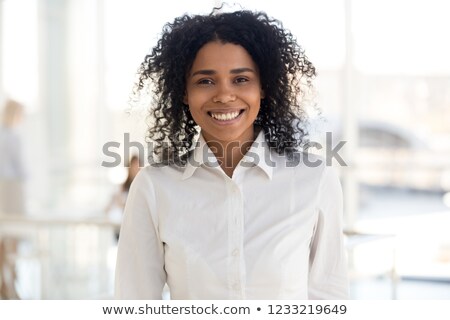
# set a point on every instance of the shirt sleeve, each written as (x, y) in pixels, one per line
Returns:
(328, 278)
(140, 270)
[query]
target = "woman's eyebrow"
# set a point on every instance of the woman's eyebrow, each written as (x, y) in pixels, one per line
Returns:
(204, 72)
(241, 70)
(207, 72)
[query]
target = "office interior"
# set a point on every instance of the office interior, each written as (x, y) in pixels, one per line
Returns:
(383, 88)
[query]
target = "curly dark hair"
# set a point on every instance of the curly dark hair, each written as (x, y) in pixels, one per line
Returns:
(283, 67)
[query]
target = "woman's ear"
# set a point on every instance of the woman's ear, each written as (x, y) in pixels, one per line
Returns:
(262, 94)
(185, 99)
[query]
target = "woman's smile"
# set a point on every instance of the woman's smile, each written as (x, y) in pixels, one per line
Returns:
(226, 117)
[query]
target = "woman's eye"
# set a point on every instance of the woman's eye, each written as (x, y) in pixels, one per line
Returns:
(241, 80)
(204, 82)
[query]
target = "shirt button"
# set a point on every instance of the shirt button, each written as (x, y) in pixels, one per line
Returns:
(236, 287)
(235, 252)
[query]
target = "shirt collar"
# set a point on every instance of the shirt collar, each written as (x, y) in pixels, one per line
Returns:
(258, 155)
(199, 156)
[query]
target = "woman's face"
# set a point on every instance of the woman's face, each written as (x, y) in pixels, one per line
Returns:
(223, 91)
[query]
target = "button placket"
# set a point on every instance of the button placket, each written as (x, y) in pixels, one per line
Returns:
(235, 240)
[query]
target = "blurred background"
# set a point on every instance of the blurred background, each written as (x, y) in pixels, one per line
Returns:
(67, 69)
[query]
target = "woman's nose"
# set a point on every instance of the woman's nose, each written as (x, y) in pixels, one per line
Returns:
(224, 94)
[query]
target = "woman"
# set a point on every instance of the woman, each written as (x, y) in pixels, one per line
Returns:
(12, 197)
(115, 207)
(240, 214)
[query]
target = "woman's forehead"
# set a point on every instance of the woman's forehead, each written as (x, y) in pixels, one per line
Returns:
(215, 56)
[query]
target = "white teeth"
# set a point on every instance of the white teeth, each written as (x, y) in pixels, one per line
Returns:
(225, 116)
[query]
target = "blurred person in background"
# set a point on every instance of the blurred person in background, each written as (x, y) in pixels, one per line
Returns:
(12, 199)
(12, 169)
(116, 205)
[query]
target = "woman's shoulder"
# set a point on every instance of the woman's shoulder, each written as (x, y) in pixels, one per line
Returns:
(321, 166)
(300, 161)
(154, 172)
(314, 169)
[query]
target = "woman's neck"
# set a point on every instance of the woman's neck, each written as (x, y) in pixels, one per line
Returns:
(230, 153)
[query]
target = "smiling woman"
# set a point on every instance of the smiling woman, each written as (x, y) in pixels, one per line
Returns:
(232, 217)
(223, 92)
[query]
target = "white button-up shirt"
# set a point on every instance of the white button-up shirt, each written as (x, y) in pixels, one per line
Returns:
(272, 231)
